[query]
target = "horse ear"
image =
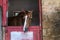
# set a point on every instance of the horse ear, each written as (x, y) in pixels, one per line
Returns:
(31, 11)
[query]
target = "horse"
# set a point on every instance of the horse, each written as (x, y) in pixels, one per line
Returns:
(20, 19)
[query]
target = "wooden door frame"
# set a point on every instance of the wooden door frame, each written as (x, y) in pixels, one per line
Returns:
(5, 8)
(1, 35)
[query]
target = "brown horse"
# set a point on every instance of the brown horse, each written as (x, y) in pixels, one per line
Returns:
(27, 17)
(20, 19)
(16, 20)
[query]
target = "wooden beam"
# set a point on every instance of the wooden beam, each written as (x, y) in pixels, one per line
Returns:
(0, 23)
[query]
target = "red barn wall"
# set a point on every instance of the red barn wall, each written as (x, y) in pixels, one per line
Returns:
(0, 2)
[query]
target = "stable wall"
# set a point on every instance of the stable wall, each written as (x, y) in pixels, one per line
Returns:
(51, 19)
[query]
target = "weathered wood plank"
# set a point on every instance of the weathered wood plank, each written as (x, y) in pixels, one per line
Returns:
(0, 23)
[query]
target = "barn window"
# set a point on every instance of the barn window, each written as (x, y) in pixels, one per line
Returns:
(18, 5)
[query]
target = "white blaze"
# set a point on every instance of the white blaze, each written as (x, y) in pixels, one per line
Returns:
(25, 22)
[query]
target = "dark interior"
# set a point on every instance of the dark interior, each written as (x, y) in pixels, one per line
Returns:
(18, 5)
